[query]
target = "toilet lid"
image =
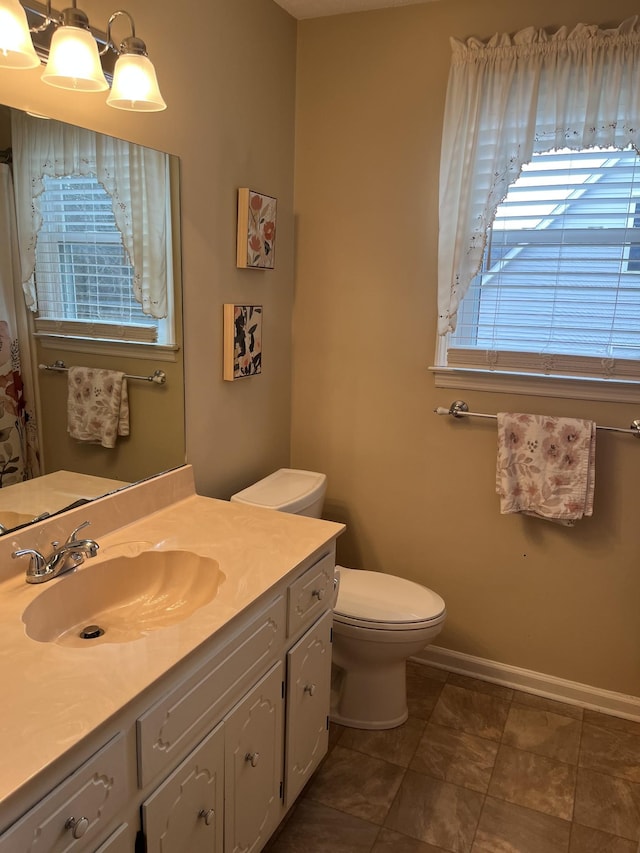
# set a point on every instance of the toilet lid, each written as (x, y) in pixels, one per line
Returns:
(378, 597)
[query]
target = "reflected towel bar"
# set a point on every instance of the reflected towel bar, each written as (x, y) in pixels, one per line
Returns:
(460, 409)
(158, 376)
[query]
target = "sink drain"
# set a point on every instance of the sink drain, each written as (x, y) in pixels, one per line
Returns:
(91, 632)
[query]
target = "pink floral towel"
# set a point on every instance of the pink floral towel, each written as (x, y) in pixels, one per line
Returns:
(97, 405)
(546, 466)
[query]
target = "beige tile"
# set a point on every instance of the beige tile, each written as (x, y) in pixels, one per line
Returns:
(471, 712)
(426, 671)
(608, 721)
(586, 840)
(437, 813)
(422, 693)
(314, 828)
(544, 704)
(610, 751)
(539, 783)
(508, 828)
(356, 784)
(395, 745)
(456, 757)
(395, 842)
(481, 686)
(608, 803)
(543, 732)
(335, 733)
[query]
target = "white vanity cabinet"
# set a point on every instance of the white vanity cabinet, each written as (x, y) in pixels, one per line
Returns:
(210, 758)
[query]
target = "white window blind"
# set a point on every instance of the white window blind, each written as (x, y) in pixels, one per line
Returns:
(84, 279)
(559, 288)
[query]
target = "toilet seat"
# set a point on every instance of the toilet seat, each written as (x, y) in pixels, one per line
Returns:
(385, 602)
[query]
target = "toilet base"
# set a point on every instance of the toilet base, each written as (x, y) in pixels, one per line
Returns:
(369, 697)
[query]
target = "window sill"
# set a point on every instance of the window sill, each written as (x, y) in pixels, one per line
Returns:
(130, 349)
(537, 384)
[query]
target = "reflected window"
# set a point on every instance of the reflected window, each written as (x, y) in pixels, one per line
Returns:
(82, 269)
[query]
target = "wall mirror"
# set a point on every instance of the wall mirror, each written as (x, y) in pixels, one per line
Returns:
(68, 471)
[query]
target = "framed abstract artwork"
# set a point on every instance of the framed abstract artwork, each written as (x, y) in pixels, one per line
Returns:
(242, 341)
(256, 242)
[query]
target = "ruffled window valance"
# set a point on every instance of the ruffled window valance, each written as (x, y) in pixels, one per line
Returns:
(136, 178)
(514, 96)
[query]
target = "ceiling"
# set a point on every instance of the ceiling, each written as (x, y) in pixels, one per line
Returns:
(318, 8)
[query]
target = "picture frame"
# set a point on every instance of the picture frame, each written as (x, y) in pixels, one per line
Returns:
(256, 238)
(242, 337)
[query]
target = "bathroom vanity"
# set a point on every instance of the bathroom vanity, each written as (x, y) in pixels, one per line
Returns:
(189, 735)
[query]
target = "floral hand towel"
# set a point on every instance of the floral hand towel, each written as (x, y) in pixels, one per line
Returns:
(97, 405)
(546, 466)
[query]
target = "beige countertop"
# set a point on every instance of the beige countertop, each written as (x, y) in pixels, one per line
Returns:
(56, 695)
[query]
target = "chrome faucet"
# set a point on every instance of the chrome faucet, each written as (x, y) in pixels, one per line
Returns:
(63, 558)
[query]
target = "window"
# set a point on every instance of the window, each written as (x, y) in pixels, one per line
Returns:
(94, 223)
(539, 238)
(82, 272)
(559, 274)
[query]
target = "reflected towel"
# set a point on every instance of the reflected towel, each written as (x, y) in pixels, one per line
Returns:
(97, 405)
(546, 466)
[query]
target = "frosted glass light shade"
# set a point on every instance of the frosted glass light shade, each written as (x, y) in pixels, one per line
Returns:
(16, 47)
(135, 86)
(74, 62)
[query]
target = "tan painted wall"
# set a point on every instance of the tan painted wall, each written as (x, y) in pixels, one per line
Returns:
(227, 71)
(417, 491)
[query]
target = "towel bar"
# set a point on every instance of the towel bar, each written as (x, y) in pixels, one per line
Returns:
(459, 409)
(158, 376)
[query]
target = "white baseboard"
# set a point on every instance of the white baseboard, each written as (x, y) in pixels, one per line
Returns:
(571, 692)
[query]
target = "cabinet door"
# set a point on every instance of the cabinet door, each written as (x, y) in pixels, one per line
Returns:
(253, 765)
(308, 696)
(185, 813)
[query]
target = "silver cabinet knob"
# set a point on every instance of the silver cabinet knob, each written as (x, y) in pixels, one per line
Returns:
(318, 593)
(310, 689)
(252, 758)
(207, 815)
(78, 826)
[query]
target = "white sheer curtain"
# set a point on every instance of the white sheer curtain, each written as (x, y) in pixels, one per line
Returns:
(19, 456)
(510, 98)
(136, 178)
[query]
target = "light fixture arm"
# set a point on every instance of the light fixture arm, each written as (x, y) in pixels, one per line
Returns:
(48, 20)
(131, 44)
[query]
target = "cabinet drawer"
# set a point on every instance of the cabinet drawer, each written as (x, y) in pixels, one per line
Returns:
(91, 796)
(173, 726)
(311, 593)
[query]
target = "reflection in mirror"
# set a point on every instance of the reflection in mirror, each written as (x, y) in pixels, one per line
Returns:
(54, 450)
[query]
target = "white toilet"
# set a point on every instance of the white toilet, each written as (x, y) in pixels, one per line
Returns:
(379, 620)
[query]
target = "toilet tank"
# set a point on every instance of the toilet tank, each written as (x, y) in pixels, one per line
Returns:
(287, 490)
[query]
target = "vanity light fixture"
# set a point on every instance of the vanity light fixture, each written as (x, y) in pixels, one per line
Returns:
(74, 58)
(134, 86)
(16, 47)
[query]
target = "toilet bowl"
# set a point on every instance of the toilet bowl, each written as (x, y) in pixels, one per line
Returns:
(379, 619)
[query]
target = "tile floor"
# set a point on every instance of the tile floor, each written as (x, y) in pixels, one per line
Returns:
(477, 768)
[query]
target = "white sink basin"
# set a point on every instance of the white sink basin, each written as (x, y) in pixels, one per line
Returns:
(125, 597)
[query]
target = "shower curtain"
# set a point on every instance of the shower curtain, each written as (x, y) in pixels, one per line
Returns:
(19, 455)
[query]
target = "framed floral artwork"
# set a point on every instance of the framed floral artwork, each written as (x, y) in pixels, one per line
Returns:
(242, 341)
(256, 243)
